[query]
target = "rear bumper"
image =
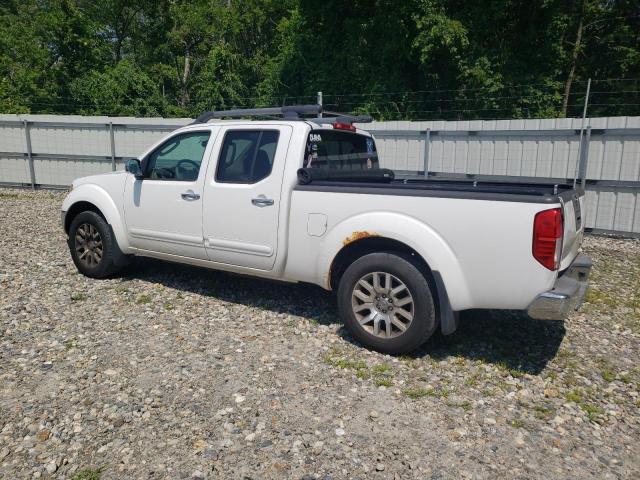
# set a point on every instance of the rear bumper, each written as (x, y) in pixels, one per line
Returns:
(567, 293)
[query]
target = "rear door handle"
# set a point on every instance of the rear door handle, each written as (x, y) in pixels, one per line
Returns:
(190, 195)
(262, 201)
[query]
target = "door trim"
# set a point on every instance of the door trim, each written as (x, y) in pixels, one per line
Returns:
(169, 237)
(238, 247)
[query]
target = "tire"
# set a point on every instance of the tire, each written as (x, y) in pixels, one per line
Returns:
(411, 310)
(99, 259)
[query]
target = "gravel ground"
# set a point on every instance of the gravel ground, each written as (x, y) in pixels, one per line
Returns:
(176, 372)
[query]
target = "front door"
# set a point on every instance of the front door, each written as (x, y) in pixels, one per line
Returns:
(242, 196)
(163, 212)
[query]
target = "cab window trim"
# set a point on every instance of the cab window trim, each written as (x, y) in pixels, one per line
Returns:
(338, 160)
(146, 159)
(260, 132)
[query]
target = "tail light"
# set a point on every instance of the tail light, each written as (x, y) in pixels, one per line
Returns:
(344, 126)
(547, 238)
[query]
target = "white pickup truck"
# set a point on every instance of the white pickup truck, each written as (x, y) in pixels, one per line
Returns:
(303, 200)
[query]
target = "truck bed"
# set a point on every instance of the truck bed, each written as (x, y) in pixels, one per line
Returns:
(452, 188)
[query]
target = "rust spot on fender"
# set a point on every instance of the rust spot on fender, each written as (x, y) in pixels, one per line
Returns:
(355, 236)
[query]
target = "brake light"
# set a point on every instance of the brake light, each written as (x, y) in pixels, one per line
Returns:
(344, 126)
(547, 238)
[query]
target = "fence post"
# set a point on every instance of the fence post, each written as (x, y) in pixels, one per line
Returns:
(584, 157)
(113, 147)
(27, 136)
(584, 117)
(427, 145)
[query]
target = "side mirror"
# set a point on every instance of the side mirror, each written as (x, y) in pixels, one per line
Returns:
(133, 166)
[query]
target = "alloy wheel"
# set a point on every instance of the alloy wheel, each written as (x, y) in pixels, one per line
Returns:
(382, 304)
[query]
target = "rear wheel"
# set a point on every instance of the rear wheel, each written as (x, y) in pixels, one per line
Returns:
(386, 302)
(92, 245)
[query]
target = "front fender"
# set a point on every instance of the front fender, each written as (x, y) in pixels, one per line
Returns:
(98, 196)
(430, 245)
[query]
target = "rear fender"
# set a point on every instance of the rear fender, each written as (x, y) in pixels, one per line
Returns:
(433, 249)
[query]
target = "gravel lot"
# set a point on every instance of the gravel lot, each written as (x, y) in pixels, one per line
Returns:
(176, 372)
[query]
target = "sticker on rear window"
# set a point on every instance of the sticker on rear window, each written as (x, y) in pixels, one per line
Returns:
(315, 137)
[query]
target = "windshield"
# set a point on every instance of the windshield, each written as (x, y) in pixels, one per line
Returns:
(340, 150)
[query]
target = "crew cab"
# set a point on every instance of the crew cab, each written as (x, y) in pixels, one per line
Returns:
(304, 199)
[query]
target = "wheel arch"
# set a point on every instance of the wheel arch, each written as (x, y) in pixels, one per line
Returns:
(79, 207)
(447, 318)
(90, 197)
(370, 244)
(394, 231)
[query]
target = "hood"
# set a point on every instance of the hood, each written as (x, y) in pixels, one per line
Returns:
(100, 178)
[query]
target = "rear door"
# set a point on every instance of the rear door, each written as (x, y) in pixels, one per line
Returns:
(242, 195)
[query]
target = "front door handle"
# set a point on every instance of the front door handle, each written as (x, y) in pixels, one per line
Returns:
(262, 201)
(190, 195)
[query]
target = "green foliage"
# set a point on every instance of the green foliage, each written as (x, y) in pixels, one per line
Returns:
(415, 393)
(23, 61)
(415, 59)
(124, 89)
(88, 474)
(143, 299)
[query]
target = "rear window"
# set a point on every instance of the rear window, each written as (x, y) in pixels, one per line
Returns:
(340, 150)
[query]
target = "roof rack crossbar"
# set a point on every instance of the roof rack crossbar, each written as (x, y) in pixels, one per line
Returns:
(342, 118)
(291, 112)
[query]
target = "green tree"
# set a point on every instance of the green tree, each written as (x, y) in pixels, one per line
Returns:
(24, 61)
(444, 59)
(121, 90)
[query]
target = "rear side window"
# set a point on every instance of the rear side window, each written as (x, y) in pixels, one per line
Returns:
(340, 150)
(247, 156)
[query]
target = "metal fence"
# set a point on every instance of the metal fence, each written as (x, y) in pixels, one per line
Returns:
(51, 151)
(606, 157)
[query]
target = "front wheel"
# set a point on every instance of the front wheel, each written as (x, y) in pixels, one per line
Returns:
(386, 303)
(92, 245)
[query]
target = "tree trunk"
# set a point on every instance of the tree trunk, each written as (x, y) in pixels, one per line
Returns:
(184, 97)
(574, 61)
(118, 49)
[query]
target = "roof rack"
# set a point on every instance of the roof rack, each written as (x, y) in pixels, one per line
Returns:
(342, 118)
(290, 112)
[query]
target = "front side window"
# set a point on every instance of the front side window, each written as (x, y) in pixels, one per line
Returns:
(340, 150)
(247, 156)
(179, 158)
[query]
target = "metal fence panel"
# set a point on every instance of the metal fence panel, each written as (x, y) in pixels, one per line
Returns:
(62, 171)
(624, 211)
(14, 169)
(75, 140)
(12, 136)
